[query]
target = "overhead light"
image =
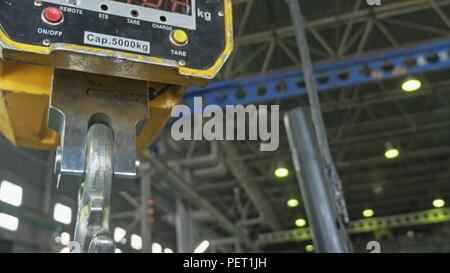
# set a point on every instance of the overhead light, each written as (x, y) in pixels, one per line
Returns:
(368, 213)
(202, 247)
(292, 203)
(136, 242)
(168, 250)
(281, 172)
(410, 234)
(438, 203)
(65, 250)
(156, 248)
(300, 222)
(119, 234)
(378, 189)
(65, 238)
(62, 213)
(9, 222)
(11, 193)
(411, 85)
(309, 248)
(391, 151)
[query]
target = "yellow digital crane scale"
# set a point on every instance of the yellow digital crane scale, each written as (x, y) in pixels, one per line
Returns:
(97, 79)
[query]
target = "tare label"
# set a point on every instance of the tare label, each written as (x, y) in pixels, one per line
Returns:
(97, 39)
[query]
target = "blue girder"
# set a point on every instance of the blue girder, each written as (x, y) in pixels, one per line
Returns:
(354, 71)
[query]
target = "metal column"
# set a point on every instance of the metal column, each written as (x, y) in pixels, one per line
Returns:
(45, 240)
(329, 233)
(146, 227)
(316, 111)
(184, 226)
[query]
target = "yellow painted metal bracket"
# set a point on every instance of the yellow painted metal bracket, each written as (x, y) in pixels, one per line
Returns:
(159, 112)
(25, 92)
(24, 100)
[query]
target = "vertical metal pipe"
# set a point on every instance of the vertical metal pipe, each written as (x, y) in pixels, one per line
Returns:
(45, 238)
(316, 112)
(329, 234)
(146, 228)
(308, 74)
(48, 189)
(184, 227)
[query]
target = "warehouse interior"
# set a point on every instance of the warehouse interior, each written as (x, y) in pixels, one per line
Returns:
(381, 73)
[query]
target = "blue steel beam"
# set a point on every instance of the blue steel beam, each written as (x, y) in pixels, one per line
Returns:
(350, 72)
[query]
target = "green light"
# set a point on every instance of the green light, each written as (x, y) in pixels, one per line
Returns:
(292, 203)
(411, 85)
(410, 234)
(281, 172)
(368, 213)
(309, 248)
(300, 222)
(391, 153)
(438, 203)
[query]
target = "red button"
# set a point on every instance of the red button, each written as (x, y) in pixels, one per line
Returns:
(53, 15)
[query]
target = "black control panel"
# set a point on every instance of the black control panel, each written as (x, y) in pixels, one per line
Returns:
(191, 32)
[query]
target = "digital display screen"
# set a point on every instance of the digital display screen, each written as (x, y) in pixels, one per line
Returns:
(176, 6)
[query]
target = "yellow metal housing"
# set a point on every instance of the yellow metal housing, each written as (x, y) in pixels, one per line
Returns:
(24, 103)
(24, 100)
(26, 76)
(116, 63)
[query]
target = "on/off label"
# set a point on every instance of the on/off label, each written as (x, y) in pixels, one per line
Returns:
(97, 39)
